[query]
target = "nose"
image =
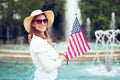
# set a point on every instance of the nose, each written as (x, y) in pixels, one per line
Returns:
(42, 23)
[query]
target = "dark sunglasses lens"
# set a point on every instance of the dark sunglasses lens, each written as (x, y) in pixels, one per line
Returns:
(45, 20)
(40, 21)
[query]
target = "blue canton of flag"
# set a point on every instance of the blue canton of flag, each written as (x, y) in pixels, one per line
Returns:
(76, 26)
(77, 44)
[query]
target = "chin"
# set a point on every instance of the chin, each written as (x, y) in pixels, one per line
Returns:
(42, 30)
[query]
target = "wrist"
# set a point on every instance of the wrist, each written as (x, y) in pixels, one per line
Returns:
(64, 55)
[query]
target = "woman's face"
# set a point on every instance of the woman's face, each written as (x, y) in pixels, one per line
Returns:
(40, 23)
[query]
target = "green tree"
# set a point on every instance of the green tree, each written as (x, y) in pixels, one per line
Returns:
(13, 13)
(99, 11)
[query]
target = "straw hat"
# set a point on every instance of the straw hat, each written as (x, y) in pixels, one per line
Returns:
(49, 14)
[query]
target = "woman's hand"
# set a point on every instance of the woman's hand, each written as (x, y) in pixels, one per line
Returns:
(63, 57)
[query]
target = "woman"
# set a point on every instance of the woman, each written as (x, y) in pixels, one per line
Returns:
(44, 56)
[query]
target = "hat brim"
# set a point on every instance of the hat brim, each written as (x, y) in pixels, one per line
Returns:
(49, 14)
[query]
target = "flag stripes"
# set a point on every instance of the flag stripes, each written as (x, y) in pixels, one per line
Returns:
(77, 44)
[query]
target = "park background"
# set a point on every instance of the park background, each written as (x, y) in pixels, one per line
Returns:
(13, 12)
(102, 62)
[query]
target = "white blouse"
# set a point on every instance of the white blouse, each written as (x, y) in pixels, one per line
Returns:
(45, 59)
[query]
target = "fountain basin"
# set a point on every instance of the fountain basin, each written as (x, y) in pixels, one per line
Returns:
(75, 70)
(21, 52)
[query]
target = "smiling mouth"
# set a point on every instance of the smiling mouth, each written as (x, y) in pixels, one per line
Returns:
(41, 26)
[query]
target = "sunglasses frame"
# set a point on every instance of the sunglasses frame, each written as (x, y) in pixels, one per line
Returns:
(39, 21)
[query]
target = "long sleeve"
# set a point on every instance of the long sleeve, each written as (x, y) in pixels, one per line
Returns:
(44, 56)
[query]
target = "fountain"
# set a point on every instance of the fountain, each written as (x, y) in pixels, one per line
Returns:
(71, 9)
(109, 42)
(76, 70)
(88, 29)
(112, 22)
(105, 38)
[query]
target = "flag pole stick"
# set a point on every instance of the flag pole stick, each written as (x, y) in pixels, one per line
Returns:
(67, 62)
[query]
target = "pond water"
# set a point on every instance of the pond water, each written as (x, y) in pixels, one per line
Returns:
(75, 70)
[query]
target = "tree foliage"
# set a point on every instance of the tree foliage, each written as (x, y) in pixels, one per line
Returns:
(99, 12)
(13, 13)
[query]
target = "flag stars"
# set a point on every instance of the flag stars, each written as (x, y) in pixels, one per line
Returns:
(76, 26)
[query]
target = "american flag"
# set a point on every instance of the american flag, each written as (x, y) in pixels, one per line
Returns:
(77, 44)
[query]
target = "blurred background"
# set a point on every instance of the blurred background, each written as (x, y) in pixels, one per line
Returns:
(102, 62)
(97, 12)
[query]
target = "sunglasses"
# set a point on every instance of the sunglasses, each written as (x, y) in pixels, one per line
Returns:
(39, 21)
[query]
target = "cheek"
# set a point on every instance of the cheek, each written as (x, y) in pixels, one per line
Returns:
(33, 24)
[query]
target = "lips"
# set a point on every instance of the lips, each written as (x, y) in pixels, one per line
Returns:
(42, 28)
